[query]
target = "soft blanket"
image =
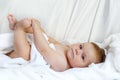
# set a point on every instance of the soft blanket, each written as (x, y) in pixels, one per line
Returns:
(18, 69)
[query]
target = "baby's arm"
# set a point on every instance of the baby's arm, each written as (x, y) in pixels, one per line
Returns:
(42, 45)
(39, 40)
(50, 39)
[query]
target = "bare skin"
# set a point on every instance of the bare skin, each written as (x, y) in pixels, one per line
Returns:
(20, 29)
(20, 37)
(63, 58)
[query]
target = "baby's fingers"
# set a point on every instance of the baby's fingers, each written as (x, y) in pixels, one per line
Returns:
(35, 22)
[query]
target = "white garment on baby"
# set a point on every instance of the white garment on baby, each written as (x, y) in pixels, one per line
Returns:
(36, 58)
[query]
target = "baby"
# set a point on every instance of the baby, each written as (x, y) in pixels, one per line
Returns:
(62, 58)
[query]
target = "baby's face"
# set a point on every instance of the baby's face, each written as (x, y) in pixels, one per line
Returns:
(81, 55)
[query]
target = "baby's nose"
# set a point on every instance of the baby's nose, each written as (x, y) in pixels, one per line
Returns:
(79, 52)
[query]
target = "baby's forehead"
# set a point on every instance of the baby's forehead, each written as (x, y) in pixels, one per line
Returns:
(87, 45)
(90, 52)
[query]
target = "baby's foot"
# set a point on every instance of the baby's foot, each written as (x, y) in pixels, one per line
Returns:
(12, 21)
(24, 23)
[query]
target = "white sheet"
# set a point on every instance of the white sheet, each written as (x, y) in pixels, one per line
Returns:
(109, 70)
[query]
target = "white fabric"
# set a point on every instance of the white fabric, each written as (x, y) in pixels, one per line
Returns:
(112, 44)
(107, 20)
(20, 69)
(68, 20)
(6, 44)
(35, 57)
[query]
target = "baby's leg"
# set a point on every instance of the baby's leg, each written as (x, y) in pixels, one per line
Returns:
(21, 45)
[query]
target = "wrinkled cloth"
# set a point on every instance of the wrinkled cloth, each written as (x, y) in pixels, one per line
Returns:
(108, 70)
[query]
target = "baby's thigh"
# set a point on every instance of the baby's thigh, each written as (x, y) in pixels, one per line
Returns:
(13, 54)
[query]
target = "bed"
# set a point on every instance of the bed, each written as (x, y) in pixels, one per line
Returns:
(67, 21)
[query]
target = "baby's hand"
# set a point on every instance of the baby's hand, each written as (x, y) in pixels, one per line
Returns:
(35, 23)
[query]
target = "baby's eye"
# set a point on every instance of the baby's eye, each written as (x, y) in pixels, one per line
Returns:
(81, 46)
(82, 57)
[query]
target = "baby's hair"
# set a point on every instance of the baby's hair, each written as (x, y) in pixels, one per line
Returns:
(100, 52)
